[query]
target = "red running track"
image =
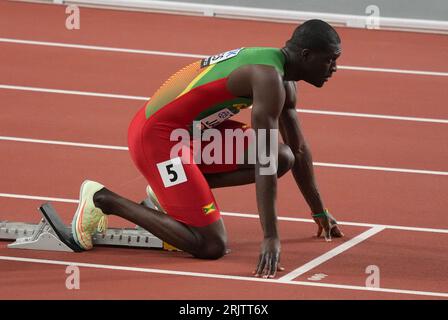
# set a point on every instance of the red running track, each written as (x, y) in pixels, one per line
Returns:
(413, 263)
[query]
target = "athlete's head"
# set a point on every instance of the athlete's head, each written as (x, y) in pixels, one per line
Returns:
(312, 52)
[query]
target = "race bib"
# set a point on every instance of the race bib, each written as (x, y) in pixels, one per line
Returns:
(216, 118)
(220, 57)
(172, 172)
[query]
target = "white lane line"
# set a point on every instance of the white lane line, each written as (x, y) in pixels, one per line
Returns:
(64, 143)
(28, 197)
(141, 98)
(199, 56)
(246, 215)
(342, 223)
(401, 71)
(317, 164)
(375, 168)
(385, 290)
(331, 254)
(102, 48)
(370, 115)
(73, 92)
(217, 276)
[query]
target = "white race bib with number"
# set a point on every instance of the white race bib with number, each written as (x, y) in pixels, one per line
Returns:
(172, 172)
(216, 118)
(220, 57)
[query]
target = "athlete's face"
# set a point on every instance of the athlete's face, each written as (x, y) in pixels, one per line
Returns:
(320, 65)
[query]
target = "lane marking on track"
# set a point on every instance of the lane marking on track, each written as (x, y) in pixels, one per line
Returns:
(371, 116)
(200, 56)
(28, 197)
(317, 164)
(342, 223)
(331, 254)
(375, 168)
(64, 143)
(102, 48)
(219, 276)
(248, 215)
(400, 71)
(72, 92)
(141, 98)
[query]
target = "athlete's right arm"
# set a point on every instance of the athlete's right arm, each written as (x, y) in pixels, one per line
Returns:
(268, 95)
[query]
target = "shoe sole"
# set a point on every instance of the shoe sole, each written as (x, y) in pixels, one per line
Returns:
(78, 217)
(154, 199)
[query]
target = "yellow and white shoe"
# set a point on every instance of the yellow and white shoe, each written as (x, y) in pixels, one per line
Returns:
(88, 219)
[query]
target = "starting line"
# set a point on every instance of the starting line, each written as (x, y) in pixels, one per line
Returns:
(51, 234)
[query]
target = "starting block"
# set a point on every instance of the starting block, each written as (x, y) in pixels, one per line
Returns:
(53, 235)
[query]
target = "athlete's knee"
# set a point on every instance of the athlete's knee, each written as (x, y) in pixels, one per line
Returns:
(212, 249)
(285, 159)
(102, 199)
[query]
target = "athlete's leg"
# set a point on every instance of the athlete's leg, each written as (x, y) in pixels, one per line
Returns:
(207, 242)
(236, 173)
(245, 173)
(192, 222)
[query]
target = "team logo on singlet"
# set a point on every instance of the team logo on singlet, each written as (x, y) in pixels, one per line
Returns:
(219, 57)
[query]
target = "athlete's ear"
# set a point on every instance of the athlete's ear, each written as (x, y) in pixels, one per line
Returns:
(305, 54)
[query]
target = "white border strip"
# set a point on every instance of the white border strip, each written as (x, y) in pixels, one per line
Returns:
(247, 215)
(317, 164)
(342, 223)
(370, 115)
(141, 98)
(102, 48)
(375, 168)
(354, 21)
(218, 276)
(64, 143)
(401, 71)
(199, 56)
(28, 197)
(332, 253)
(72, 92)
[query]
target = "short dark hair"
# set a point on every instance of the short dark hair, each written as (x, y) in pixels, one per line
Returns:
(315, 35)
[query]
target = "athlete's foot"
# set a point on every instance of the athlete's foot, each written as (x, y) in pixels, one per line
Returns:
(88, 218)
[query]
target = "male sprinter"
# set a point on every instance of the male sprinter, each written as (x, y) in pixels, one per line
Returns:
(211, 91)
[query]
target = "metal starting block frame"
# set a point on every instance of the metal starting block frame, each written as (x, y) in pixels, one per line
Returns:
(51, 234)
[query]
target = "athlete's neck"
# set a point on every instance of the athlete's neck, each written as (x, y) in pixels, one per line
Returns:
(291, 65)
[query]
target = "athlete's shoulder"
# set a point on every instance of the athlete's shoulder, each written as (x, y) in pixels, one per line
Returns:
(264, 55)
(263, 51)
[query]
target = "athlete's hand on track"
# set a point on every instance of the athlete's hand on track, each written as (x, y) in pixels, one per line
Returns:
(269, 260)
(329, 226)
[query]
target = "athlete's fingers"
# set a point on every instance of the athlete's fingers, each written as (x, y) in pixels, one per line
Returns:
(268, 267)
(271, 267)
(261, 265)
(274, 265)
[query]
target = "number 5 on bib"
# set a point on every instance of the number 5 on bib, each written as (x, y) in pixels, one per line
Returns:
(172, 172)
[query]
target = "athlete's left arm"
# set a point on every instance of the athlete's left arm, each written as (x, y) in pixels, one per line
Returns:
(302, 169)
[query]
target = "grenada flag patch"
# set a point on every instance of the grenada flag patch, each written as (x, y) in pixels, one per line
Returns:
(209, 208)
